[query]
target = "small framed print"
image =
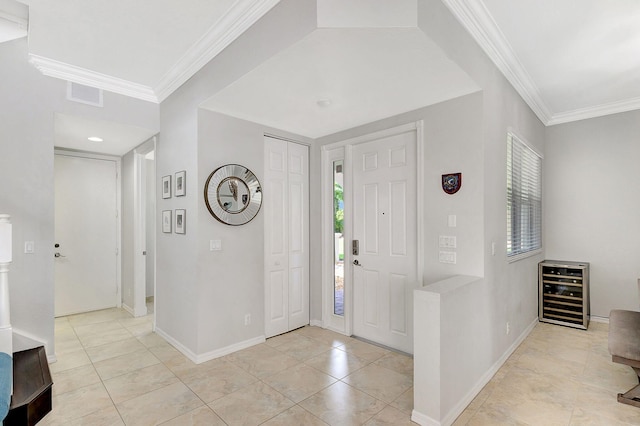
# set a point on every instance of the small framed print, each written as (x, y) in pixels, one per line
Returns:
(166, 221)
(181, 221)
(166, 186)
(181, 183)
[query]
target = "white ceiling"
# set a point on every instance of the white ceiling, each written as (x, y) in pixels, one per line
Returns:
(366, 74)
(71, 132)
(569, 59)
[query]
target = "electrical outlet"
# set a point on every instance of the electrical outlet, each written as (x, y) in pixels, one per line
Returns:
(247, 319)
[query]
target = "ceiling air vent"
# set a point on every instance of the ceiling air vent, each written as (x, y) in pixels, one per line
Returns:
(84, 94)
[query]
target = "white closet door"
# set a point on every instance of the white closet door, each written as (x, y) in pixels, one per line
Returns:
(286, 207)
(298, 230)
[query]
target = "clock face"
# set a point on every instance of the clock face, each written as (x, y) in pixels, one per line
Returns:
(233, 194)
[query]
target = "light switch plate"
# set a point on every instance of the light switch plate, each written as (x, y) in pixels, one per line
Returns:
(29, 247)
(452, 221)
(445, 241)
(215, 245)
(447, 257)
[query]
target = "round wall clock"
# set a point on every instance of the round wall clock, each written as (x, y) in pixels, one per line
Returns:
(233, 194)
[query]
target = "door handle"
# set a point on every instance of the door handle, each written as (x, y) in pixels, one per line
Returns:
(56, 254)
(356, 262)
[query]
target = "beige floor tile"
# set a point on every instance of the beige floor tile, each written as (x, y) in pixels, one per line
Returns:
(88, 330)
(337, 363)
(65, 334)
(487, 416)
(404, 402)
(139, 330)
(602, 402)
(74, 378)
(219, 380)
(390, 416)
(152, 340)
(521, 409)
(95, 317)
(194, 371)
(139, 382)
(112, 336)
(303, 348)
(78, 403)
(328, 337)
(341, 404)
(73, 359)
(159, 405)
(276, 341)
(202, 416)
(253, 404)
(397, 362)
(106, 417)
(606, 374)
(261, 360)
(111, 350)
(364, 350)
(548, 364)
(464, 417)
(535, 387)
(380, 382)
(299, 382)
(295, 415)
(66, 346)
(124, 364)
(584, 418)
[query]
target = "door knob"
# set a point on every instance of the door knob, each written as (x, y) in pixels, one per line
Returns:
(356, 262)
(56, 254)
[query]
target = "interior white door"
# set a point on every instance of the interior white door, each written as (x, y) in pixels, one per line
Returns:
(286, 209)
(385, 225)
(86, 232)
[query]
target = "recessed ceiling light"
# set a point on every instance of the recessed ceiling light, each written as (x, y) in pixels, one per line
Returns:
(324, 102)
(95, 139)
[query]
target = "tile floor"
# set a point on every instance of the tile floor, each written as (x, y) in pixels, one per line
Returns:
(112, 370)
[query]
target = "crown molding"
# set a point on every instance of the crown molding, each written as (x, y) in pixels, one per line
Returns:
(595, 111)
(64, 71)
(220, 35)
(477, 20)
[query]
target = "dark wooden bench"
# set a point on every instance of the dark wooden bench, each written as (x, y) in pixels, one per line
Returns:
(624, 347)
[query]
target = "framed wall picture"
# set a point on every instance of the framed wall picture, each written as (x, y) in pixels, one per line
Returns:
(181, 221)
(166, 221)
(181, 183)
(166, 186)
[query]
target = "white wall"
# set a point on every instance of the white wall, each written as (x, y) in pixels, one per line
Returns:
(28, 102)
(452, 143)
(592, 200)
(188, 309)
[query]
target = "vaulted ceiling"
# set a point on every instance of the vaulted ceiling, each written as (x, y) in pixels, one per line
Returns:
(569, 59)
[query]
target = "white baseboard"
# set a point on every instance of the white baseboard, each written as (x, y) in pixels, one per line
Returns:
(451, 417)
(207, 356)
(423, 419)
(603, 320)
(316, 323)
(128, 309)
(229, 349)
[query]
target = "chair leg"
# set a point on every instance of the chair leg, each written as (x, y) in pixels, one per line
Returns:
(632, 396)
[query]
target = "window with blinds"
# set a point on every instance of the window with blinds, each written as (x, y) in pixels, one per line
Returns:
(524, 198)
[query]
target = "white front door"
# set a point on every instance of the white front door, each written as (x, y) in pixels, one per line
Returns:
(286, 210)
(86, 232)
(385, 226)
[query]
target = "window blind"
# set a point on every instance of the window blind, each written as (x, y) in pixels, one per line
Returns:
(524, 198)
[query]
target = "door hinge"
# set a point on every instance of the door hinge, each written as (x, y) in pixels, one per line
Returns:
(116, 251)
